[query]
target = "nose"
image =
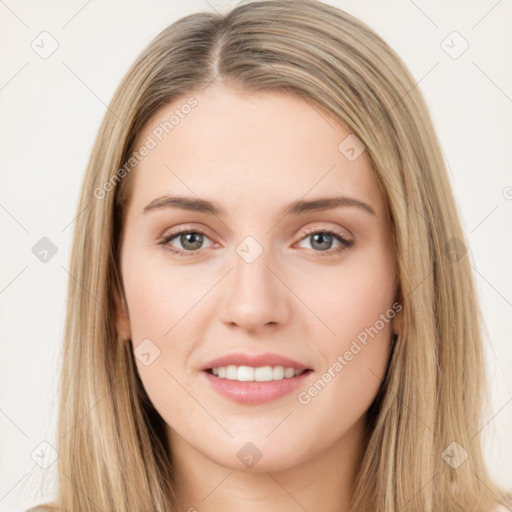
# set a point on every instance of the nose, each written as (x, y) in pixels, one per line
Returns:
(255, 297)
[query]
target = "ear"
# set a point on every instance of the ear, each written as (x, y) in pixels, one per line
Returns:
(121, 316)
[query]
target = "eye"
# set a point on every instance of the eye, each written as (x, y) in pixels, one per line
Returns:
(190, 240)
(322, 239)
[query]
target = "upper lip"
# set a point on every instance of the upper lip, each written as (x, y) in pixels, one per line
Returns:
(240, 359)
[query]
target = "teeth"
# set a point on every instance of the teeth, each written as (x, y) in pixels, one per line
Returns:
(289, 372)
(259, 374)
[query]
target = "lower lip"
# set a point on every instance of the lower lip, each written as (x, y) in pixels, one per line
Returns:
(255, 392)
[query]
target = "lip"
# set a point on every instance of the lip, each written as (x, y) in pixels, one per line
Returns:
(253, 392)
(267, 359)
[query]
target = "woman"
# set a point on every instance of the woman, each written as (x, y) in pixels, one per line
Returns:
(212, 361)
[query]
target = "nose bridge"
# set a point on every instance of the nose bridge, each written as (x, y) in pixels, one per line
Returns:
(252, 260)
(254, 295)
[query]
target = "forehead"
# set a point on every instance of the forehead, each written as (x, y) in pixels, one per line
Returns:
(234, 146)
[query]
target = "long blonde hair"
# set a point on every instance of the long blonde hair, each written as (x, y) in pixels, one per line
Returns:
(426, 419)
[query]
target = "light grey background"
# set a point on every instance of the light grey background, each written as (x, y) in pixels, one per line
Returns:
(50, 111)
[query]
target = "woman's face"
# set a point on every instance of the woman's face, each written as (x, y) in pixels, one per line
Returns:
(260, 283)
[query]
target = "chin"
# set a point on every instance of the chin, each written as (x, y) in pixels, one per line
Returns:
(256, 454)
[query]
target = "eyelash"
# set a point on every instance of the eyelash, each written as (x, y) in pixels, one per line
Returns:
(345, 244)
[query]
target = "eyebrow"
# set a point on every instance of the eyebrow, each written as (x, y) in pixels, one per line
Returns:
(295, 208)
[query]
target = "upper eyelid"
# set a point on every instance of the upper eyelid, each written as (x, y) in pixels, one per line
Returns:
(185, 229)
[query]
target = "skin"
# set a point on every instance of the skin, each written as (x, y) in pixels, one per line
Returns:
(253, 154)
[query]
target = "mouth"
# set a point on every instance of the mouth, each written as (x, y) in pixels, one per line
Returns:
(254, 385)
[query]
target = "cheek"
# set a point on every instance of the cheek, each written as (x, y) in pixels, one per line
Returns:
(354, 358)
(352, 296)
(159, 294)
(159, 321)
(356, 306)
(158, 301)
